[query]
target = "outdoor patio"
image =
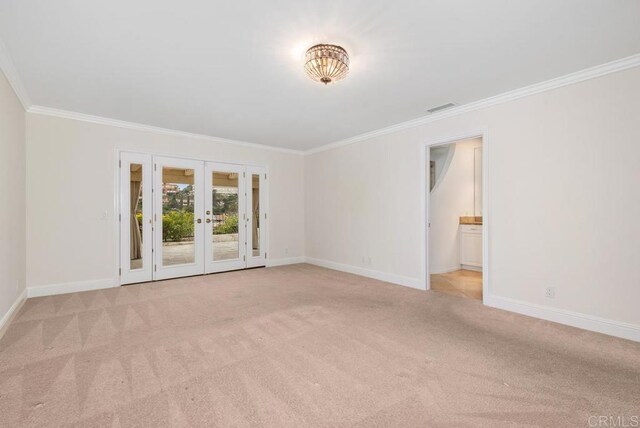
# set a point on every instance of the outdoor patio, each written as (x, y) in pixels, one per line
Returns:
(176, 253)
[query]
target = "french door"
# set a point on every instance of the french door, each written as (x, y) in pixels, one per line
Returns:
(183, 217)
(225, 215)
(177, 217)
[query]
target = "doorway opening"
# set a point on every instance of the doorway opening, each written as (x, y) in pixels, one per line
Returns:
(455, 221)
(183, 217)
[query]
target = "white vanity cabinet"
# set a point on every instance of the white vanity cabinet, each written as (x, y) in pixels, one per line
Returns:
(471, 246)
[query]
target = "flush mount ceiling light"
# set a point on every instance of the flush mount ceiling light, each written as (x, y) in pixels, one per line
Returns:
(326, 63)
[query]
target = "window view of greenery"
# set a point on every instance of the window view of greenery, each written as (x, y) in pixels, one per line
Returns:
(177, 212)
(177, 216)
(225, 213)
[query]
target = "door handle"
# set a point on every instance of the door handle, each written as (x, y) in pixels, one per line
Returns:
(208, 220)
(199, 220)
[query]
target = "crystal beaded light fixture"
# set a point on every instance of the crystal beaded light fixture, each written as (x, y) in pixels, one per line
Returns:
(326, 63)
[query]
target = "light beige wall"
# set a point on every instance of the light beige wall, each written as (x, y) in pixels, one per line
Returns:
(12, 197)
(71, 189)
(563, 189)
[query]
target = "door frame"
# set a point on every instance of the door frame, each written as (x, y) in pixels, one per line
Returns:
(425, 196)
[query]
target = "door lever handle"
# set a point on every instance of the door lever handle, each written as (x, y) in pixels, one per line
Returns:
(208, 220)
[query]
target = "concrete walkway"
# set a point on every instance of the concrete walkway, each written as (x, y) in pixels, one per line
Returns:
(177, 253)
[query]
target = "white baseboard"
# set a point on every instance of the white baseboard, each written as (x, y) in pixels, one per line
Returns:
(382, 276)
(473, 268)
(282, 262)
(12, 312)
(445, 270)
(97, 284)
(574, 319)
(71, 287)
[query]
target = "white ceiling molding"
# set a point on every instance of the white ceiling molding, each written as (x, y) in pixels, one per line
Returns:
(7, 66)
(162, 67)
(9, 70)
(148, 128)
(569, 79)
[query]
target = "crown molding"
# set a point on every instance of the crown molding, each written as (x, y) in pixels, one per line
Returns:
(9, 70)
(569, 79)
(7, 66)
(47, 111)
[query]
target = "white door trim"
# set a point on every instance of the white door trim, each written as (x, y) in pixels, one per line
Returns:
(425, 196)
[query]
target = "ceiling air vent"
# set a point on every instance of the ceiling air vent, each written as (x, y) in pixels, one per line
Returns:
(442, 107)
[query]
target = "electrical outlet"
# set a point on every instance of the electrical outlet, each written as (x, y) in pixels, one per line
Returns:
(550, 293)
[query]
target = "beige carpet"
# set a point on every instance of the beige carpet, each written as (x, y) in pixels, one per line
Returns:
(302, 346)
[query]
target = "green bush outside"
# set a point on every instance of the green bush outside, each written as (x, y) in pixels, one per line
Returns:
(177, 225)
(230, 225)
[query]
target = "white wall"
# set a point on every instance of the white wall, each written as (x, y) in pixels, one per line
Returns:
(451, 198)
(71, 190)
(12, 198)
(563, 189)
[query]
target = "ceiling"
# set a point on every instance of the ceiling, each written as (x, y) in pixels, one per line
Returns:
(233, 69)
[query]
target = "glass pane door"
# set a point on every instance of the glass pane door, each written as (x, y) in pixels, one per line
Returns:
(178, 217)
(225, 217)
(135, 218)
